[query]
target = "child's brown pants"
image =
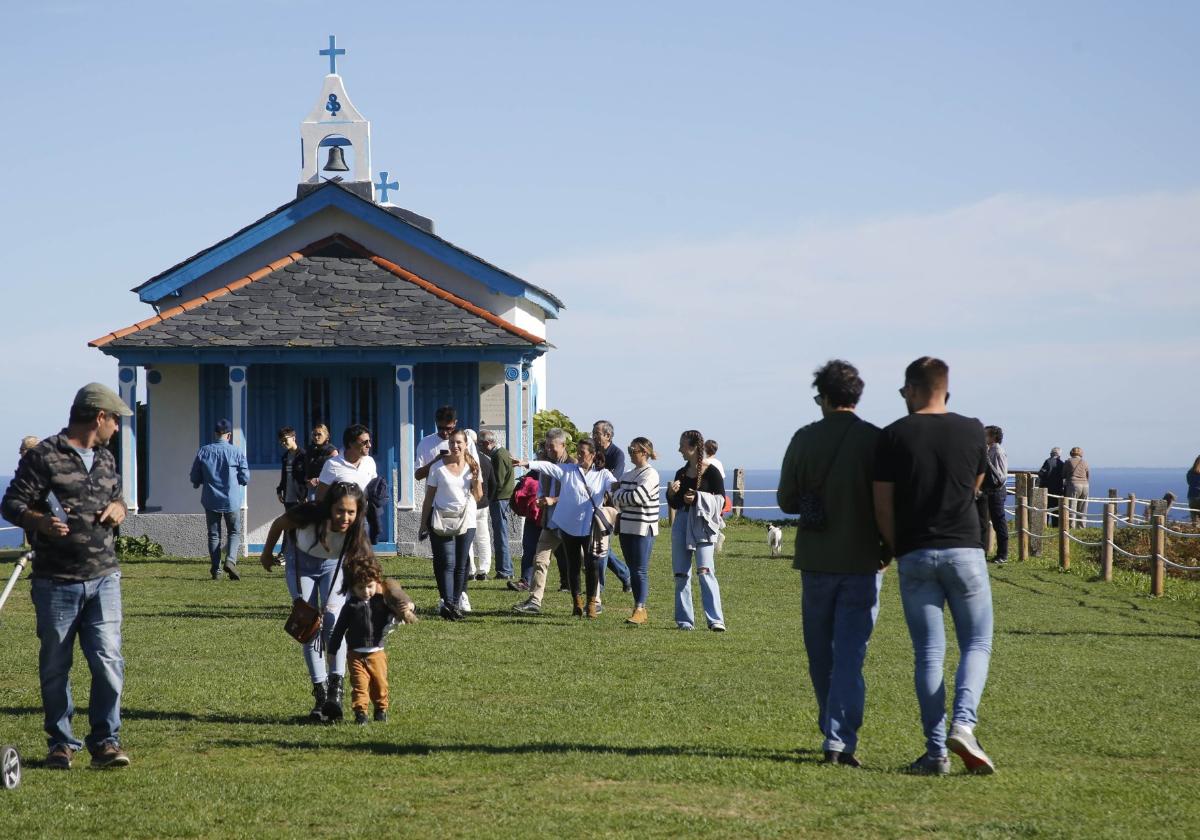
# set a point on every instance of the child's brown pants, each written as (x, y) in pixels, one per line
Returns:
(368, 680)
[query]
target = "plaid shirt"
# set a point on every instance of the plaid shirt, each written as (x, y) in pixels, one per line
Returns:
(53, 466)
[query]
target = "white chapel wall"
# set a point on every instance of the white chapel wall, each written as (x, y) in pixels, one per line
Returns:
(174, 404)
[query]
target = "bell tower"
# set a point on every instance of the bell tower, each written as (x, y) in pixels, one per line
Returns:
(335, 139)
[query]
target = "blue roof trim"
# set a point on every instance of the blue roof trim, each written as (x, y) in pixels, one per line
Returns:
(309, 355)
(331, 195)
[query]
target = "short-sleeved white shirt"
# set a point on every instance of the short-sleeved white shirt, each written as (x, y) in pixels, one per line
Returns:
(431, 445)
(450, 491)
(336, 469)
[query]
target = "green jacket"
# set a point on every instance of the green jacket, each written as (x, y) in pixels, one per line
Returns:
(850, 544)
(505, 481)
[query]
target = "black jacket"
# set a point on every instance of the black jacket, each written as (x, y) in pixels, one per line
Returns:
(377, 500)
(361, 623)
(1050, 475)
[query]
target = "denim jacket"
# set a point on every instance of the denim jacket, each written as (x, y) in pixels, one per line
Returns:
(222, 469)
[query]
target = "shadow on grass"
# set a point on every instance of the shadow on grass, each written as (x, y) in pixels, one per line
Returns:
(260, 613)
(545, 748)
(182, 717)
(1131, 635)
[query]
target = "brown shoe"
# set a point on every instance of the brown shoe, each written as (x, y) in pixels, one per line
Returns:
(59, 758)
(593, 608)
(638, 617)
(110, 754)
(578, 610)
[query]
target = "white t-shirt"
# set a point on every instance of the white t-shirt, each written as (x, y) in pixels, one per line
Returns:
(431, 445)
(336, 469)
(713, 462)
(450, 491)
(306, 541)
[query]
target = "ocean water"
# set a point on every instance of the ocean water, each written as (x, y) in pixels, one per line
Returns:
(1146, 483)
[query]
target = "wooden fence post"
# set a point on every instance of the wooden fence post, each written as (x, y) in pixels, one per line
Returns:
(1158, 549)
(1064, 543)
(1022, 528)
(1110, 532)
(1132, 517)
(739, 487)
(1037, 522)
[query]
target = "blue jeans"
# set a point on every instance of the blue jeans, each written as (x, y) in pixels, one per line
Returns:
(529, 541)
(450, 565)
(318, 588)
(499, 512)
(706, 570)
(839, 613)
(929, 579)
(614, 562)
(233, 524)
(637, 548)
(90, 609)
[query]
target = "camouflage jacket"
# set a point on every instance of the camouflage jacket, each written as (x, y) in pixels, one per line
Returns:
(53, 466)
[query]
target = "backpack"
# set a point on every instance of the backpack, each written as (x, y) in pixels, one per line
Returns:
(525, 498)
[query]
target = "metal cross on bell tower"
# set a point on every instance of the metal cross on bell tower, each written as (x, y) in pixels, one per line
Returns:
(333, 52)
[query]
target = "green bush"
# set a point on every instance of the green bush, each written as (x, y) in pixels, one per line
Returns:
(544, 421)
(141, 546)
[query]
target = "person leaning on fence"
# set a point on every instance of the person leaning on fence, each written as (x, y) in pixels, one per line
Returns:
(454, 489)
(929, 466)
(67, 496)
(697, 494)
(994, 493)
(324, 533)
(1076, 476)
(838, 552)
(637, 498)
(221, 469)
(1050, 477)
(1193, 490)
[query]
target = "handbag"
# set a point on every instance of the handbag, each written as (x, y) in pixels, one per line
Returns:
(448, 522)
(810, 505)
(304, 622)
(604, 518)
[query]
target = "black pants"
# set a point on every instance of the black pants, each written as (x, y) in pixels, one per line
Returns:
(993, 510)
(576, 549)
(564, 571)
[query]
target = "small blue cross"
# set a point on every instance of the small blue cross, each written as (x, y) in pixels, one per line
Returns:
(384, 185)
(333, 53)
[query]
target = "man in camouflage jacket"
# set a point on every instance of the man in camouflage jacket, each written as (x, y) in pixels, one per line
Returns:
(67, 495)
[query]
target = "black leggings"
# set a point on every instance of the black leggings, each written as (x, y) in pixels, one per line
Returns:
(578, 551)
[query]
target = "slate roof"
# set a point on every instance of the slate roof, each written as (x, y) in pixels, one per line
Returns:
(334, 185)
(333, 293)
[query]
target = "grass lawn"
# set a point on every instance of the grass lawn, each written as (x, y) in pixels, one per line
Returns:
(512, 726)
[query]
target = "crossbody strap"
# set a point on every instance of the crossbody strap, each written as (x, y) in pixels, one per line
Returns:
(833, 460)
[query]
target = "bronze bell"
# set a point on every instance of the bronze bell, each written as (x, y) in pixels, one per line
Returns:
(337, 161)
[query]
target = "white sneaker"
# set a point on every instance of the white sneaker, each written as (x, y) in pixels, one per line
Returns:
(464, 603)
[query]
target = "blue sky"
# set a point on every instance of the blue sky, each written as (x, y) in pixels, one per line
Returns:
(725, 195)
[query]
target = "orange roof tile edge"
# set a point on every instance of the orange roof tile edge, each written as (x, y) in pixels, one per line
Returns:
(231, 286)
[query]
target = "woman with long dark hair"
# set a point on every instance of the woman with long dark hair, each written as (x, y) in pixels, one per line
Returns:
(453, 491)
(323, 533)
(584, 486)
(697, 495)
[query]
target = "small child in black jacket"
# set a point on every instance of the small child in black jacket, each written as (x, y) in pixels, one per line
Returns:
(365, 620)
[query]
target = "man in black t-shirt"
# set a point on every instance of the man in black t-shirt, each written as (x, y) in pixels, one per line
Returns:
(929, 467)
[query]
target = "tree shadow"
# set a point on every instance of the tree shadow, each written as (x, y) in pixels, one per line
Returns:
(1131, 635)
(420, 748)
(128, 714)
(221, 613)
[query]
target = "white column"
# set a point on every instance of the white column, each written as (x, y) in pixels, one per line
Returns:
(527, 411)
(512, 410)
(237, 388)
(404, 422)
(127, 380)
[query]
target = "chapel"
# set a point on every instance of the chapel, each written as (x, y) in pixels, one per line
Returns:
(338, 307)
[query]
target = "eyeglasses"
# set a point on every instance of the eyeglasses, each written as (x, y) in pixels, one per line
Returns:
(817, 398)
(445, 430)
(902, 390)
(366, 442)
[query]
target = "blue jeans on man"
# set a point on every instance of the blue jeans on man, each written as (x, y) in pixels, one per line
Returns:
(529, 541)
(232, 519)
(499, 519)
(91, 610)
(839, 612)
(930, 578)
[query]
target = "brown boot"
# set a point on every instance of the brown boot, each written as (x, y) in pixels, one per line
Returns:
(578, 606)
(638, 617)
(593, 608)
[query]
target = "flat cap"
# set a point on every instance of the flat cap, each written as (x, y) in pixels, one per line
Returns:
(95, 395)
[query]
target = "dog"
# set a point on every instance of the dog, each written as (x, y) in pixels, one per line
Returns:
(775, 540)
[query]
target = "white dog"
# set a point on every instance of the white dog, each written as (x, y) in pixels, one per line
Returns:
(775, 539)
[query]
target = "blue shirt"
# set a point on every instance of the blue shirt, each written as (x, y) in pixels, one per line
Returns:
(222, 469)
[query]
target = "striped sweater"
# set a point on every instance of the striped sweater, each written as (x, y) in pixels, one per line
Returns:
(637, 497)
